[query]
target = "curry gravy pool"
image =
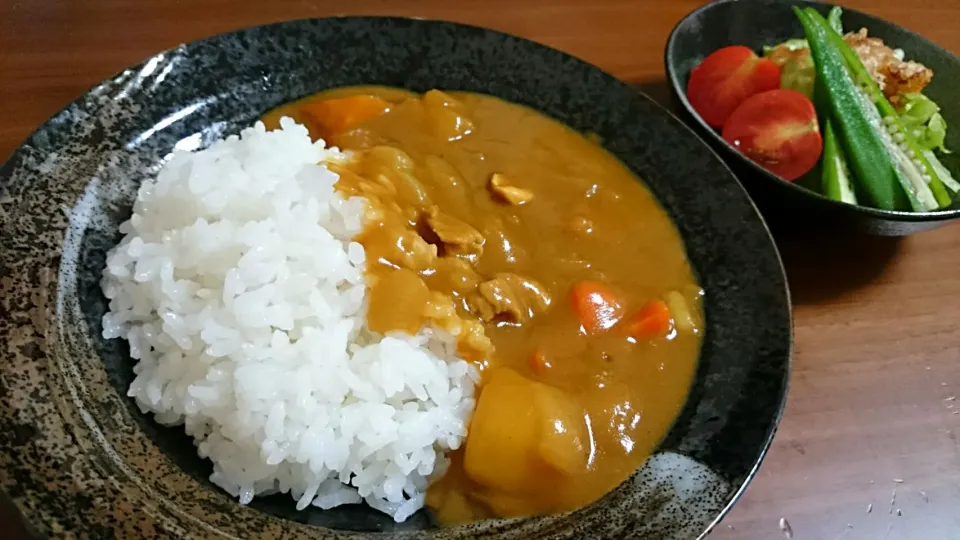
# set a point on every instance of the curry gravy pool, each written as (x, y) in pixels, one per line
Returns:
(559, 273)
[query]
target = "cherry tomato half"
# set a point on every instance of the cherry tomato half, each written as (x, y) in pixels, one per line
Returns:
(778, 130)
(727, 77)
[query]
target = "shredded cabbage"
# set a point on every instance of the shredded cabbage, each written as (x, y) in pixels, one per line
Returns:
(942, 172)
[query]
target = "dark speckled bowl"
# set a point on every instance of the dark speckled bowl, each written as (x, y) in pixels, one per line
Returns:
(756, 23)
(78, 458)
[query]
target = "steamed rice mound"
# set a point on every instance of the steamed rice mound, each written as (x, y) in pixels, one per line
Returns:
(242, 297)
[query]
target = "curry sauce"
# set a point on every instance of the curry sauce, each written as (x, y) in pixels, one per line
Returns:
(486, 219)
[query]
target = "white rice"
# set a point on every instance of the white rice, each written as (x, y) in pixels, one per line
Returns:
(242, 296)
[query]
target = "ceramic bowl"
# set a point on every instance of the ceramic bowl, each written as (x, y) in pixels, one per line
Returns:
(77, 456)
(755, 23)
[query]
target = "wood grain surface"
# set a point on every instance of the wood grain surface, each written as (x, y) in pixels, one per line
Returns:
(868, 448)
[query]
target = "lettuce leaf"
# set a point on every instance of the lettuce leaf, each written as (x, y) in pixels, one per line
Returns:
(942, 172)
(918, 109)
(799, 74)
(797, 71)
(794, 44)
(922, 117)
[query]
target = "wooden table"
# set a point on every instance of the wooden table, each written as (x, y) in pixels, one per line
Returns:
(877, 362)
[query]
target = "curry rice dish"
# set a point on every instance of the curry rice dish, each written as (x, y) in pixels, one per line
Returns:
(440, 300)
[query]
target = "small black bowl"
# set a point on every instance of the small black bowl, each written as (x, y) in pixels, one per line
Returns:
(755, 23)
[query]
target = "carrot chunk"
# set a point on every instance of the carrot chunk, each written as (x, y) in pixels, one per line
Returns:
(596, 306)
(653, 320)
(332, 116)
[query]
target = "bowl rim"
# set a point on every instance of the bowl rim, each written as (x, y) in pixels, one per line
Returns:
(678, 88)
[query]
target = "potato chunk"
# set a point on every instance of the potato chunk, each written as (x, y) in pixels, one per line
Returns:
(447, 116)
(521, 430)
(563, 437)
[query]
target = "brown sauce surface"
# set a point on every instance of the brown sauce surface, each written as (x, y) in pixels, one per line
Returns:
(483, 217)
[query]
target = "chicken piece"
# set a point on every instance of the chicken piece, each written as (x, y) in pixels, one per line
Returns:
(480, 306)
(894, 76)
(515, 297)
(414, 252)
(454, 274)
(396, 246)
(500, 187)
(458, 237)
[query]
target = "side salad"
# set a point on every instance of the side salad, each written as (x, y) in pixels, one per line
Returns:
(842, 111)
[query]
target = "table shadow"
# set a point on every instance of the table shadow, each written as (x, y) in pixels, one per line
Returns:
(823, 265)
(658, 89)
